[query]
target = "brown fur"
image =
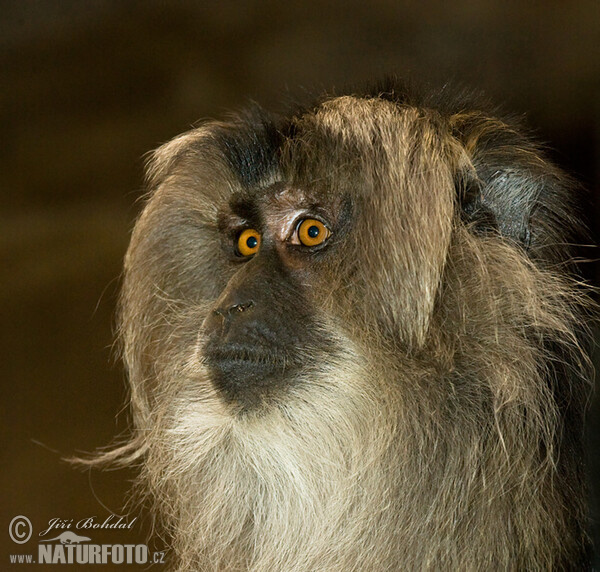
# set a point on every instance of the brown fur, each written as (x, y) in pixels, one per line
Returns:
(442, 430)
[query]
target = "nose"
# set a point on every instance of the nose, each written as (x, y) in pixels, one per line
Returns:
(237, 307)
(219, 320)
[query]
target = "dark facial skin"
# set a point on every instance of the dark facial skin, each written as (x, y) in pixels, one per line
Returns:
(263, 325)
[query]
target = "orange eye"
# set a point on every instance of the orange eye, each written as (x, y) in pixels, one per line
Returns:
(312, 232)
(248, 242)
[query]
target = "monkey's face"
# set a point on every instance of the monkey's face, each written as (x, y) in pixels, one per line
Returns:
(265, 326)
(263, 247)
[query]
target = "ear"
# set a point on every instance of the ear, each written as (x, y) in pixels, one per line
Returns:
(509, 187)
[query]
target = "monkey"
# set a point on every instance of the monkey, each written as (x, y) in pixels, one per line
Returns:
(355, 340)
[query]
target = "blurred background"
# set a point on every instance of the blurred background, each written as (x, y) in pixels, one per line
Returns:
(86, 88)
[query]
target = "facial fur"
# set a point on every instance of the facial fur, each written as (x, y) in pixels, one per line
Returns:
(406, 394)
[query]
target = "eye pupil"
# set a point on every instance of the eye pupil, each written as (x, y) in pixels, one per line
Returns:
(252, 242)
(313, 231)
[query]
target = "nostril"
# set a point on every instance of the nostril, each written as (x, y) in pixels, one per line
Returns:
(220, 319)
(241, 307)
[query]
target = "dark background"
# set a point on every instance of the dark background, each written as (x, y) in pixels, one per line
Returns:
(86, 88)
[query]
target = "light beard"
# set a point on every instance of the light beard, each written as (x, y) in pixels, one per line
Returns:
(300, 485)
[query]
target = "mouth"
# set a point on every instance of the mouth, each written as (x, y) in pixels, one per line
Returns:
(216, 354)
(247, 374)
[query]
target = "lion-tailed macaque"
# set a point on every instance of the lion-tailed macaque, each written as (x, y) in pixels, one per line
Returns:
(353, 337)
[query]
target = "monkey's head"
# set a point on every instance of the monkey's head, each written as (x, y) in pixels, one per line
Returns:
(337, 330)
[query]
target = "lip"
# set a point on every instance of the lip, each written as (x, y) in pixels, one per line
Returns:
(231, 354)
(246, 375)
